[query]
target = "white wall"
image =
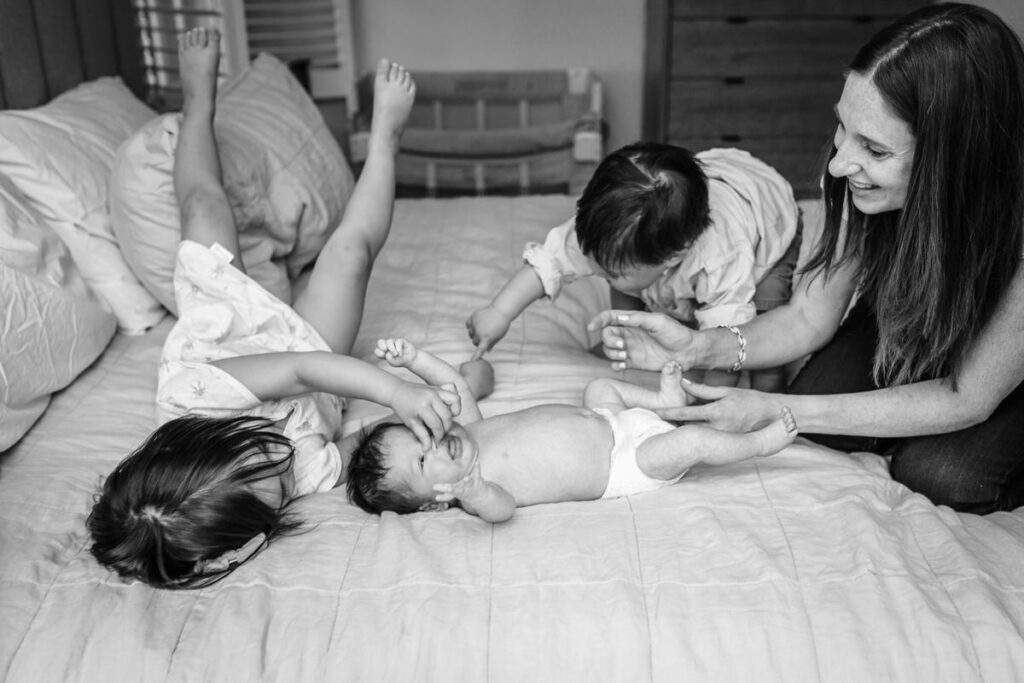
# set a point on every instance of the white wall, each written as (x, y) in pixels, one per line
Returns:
(606, 35)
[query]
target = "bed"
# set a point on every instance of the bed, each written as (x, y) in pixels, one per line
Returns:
(809, 565)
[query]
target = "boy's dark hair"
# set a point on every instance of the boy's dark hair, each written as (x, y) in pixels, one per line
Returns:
(184, 498)
(644, 204)
(367, 471)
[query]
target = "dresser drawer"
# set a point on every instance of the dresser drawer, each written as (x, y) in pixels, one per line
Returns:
(795, 48)
(792, 8)
(752, 108)
(800, 160)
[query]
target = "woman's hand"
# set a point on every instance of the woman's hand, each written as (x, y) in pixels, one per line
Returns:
(642, 340)
(727, 408)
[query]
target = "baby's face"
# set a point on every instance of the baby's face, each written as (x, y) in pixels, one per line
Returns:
(411, 467)
(631, 279)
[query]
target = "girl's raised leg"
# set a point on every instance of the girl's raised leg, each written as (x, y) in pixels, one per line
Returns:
(333, 300)
(205, 212)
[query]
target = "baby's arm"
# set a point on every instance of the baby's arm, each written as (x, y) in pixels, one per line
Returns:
(477, 496)
(426, 410)
(401, 353)
(488, 325)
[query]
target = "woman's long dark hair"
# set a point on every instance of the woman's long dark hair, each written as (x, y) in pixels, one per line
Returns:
(185, 497)
(936, 269)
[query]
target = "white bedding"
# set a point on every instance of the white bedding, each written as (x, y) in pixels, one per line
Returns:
(810, 565)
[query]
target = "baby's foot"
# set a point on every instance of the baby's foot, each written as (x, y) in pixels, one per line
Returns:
(670, 393)
(394, 92)
(778, 434)
(198, 61)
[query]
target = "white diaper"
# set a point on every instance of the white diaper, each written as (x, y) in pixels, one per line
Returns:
(630, 428)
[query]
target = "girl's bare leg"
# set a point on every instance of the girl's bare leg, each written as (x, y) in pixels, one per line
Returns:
(333, 301)
(205, 212)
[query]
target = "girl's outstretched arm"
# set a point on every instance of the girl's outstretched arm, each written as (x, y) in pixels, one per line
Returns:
(426, 410)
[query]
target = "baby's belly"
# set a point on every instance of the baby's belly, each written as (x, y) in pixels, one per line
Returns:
(551, 454)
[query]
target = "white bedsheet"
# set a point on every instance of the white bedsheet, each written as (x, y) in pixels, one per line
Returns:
(810, 565)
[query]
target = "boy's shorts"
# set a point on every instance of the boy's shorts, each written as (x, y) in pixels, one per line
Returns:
(776, 287)
(630, 428)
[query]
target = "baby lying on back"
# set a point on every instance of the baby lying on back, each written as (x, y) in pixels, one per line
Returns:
(614, 446)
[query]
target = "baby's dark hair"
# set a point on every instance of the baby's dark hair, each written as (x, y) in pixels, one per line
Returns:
(645, 203)
(367, 472)
(184, 498)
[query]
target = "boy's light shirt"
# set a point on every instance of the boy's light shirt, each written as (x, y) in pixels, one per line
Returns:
(754, 219)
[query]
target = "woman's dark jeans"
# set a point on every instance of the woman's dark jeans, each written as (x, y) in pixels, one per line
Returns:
(979, 469)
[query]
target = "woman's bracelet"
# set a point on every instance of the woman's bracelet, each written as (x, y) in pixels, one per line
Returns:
(741, 352)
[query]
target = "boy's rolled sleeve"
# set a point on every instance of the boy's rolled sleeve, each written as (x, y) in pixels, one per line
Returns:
(725, 294)
(559, 260)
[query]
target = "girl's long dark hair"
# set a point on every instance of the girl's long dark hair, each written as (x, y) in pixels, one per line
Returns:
(185, 496)
(936, 269)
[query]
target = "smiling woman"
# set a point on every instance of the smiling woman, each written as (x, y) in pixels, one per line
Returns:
(923, 225)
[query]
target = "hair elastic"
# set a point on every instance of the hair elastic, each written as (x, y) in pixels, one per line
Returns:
(219, 564)
(741, 352)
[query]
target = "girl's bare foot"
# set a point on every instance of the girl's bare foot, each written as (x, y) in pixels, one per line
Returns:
(198, 62)
(394, 92)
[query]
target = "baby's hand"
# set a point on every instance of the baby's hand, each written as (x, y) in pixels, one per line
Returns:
(470, 485)
(399, 353)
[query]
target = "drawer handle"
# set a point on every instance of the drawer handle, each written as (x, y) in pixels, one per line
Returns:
(862, 19)
(737, 20)
(734, 80)
(731, 138)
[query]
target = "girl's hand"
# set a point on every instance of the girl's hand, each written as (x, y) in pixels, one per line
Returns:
(426, 410)
(727, 408)
(486, 328)
(399, 353)
(647, 341)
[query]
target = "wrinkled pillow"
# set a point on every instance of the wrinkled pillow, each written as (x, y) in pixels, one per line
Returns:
(51, 325)
(60, 156)
(283, 171)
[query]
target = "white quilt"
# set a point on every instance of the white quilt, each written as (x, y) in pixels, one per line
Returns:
(810, 565)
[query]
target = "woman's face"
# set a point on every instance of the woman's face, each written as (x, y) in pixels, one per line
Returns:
(874, 148)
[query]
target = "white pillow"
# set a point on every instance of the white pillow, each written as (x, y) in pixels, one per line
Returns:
(60, 156)
(283, 171)
(53, 326)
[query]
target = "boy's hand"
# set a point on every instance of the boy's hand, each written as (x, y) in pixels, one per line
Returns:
(426, 410)
(466, 488)
(486, 327)
(399, 353)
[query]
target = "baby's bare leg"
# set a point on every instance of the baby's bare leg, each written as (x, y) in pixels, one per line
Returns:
(205, 212)
(615, 395)
(333, 301)
(667, 455)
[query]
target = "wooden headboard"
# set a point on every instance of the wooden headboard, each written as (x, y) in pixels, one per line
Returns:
(49, 46)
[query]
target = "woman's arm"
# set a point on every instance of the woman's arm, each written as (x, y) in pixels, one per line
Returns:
(649, 340)
(993, 368)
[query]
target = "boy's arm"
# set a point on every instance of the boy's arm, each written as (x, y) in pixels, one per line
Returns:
(488, 325)
(432, 370)
(477, 496)
(426, 410)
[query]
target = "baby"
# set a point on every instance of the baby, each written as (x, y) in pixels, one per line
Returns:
(710, 239)
(545, 454)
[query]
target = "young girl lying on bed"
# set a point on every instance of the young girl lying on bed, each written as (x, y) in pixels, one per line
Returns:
(253, 386)
(710, 239)
(545, 454)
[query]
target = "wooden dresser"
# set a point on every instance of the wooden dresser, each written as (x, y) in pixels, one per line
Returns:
(761, 75)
